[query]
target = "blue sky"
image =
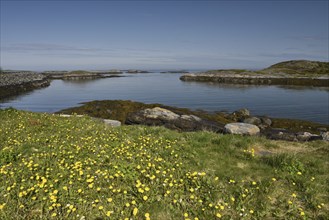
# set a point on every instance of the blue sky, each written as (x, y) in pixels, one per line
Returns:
(44, 35)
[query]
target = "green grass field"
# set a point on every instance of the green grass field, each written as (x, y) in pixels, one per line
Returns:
(78, 168)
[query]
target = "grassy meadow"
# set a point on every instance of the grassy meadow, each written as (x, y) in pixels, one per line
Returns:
(78, 168)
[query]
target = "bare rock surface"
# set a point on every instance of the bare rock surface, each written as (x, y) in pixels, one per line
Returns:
(241, 128)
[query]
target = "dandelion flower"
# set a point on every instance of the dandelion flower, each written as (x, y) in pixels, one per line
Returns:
(135, 211)
(108, 213)
(145, 198)
(2, 206)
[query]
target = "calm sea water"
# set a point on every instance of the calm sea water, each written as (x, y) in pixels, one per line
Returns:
(275, 101)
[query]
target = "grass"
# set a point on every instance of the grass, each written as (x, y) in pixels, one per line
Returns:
(300, 68)
(78, 168)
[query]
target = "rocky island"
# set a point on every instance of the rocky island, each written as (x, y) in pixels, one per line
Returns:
(295, 72)
(12, 83)
(16, 82)
(81, 74)
(175, 71)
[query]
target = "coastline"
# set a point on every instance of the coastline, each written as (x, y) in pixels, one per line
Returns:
(254, 79)
(19, 82)
(16, 83)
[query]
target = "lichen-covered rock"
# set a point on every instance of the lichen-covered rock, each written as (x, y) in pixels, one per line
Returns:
(266, 121)
(241, 128)
(241, 113)
(325, 136)
(252, 120)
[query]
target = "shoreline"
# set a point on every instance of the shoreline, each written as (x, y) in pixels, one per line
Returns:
(16, 83)
(130, 113)
(254, 79)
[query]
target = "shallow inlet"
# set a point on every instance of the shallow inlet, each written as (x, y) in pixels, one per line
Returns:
(296, 102)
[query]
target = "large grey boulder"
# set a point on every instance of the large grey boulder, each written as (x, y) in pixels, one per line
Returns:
(241, 128)
(325, 136)
(163, 117)
(112, 123)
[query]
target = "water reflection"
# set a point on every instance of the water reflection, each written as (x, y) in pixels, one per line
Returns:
(241, 87)
(244, 87)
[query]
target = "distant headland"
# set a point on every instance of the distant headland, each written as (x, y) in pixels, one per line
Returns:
(294, 72)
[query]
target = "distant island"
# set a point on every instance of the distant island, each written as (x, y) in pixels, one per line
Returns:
(13, 82)
(81, 74)
(175, 71)
(294, 72)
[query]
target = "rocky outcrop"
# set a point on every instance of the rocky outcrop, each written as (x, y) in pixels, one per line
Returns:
(163, 117)
(16, 83)
(241, 128)
(129, 112)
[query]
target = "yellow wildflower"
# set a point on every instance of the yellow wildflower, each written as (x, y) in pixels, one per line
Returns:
(135, 211)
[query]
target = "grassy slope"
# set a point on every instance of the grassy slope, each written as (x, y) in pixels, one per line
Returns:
(300, 67)
(292, 68)
(73, 167)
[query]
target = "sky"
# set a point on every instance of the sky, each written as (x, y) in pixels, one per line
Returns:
(153, 34)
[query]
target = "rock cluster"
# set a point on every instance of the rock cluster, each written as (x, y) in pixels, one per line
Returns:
(163, 117)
